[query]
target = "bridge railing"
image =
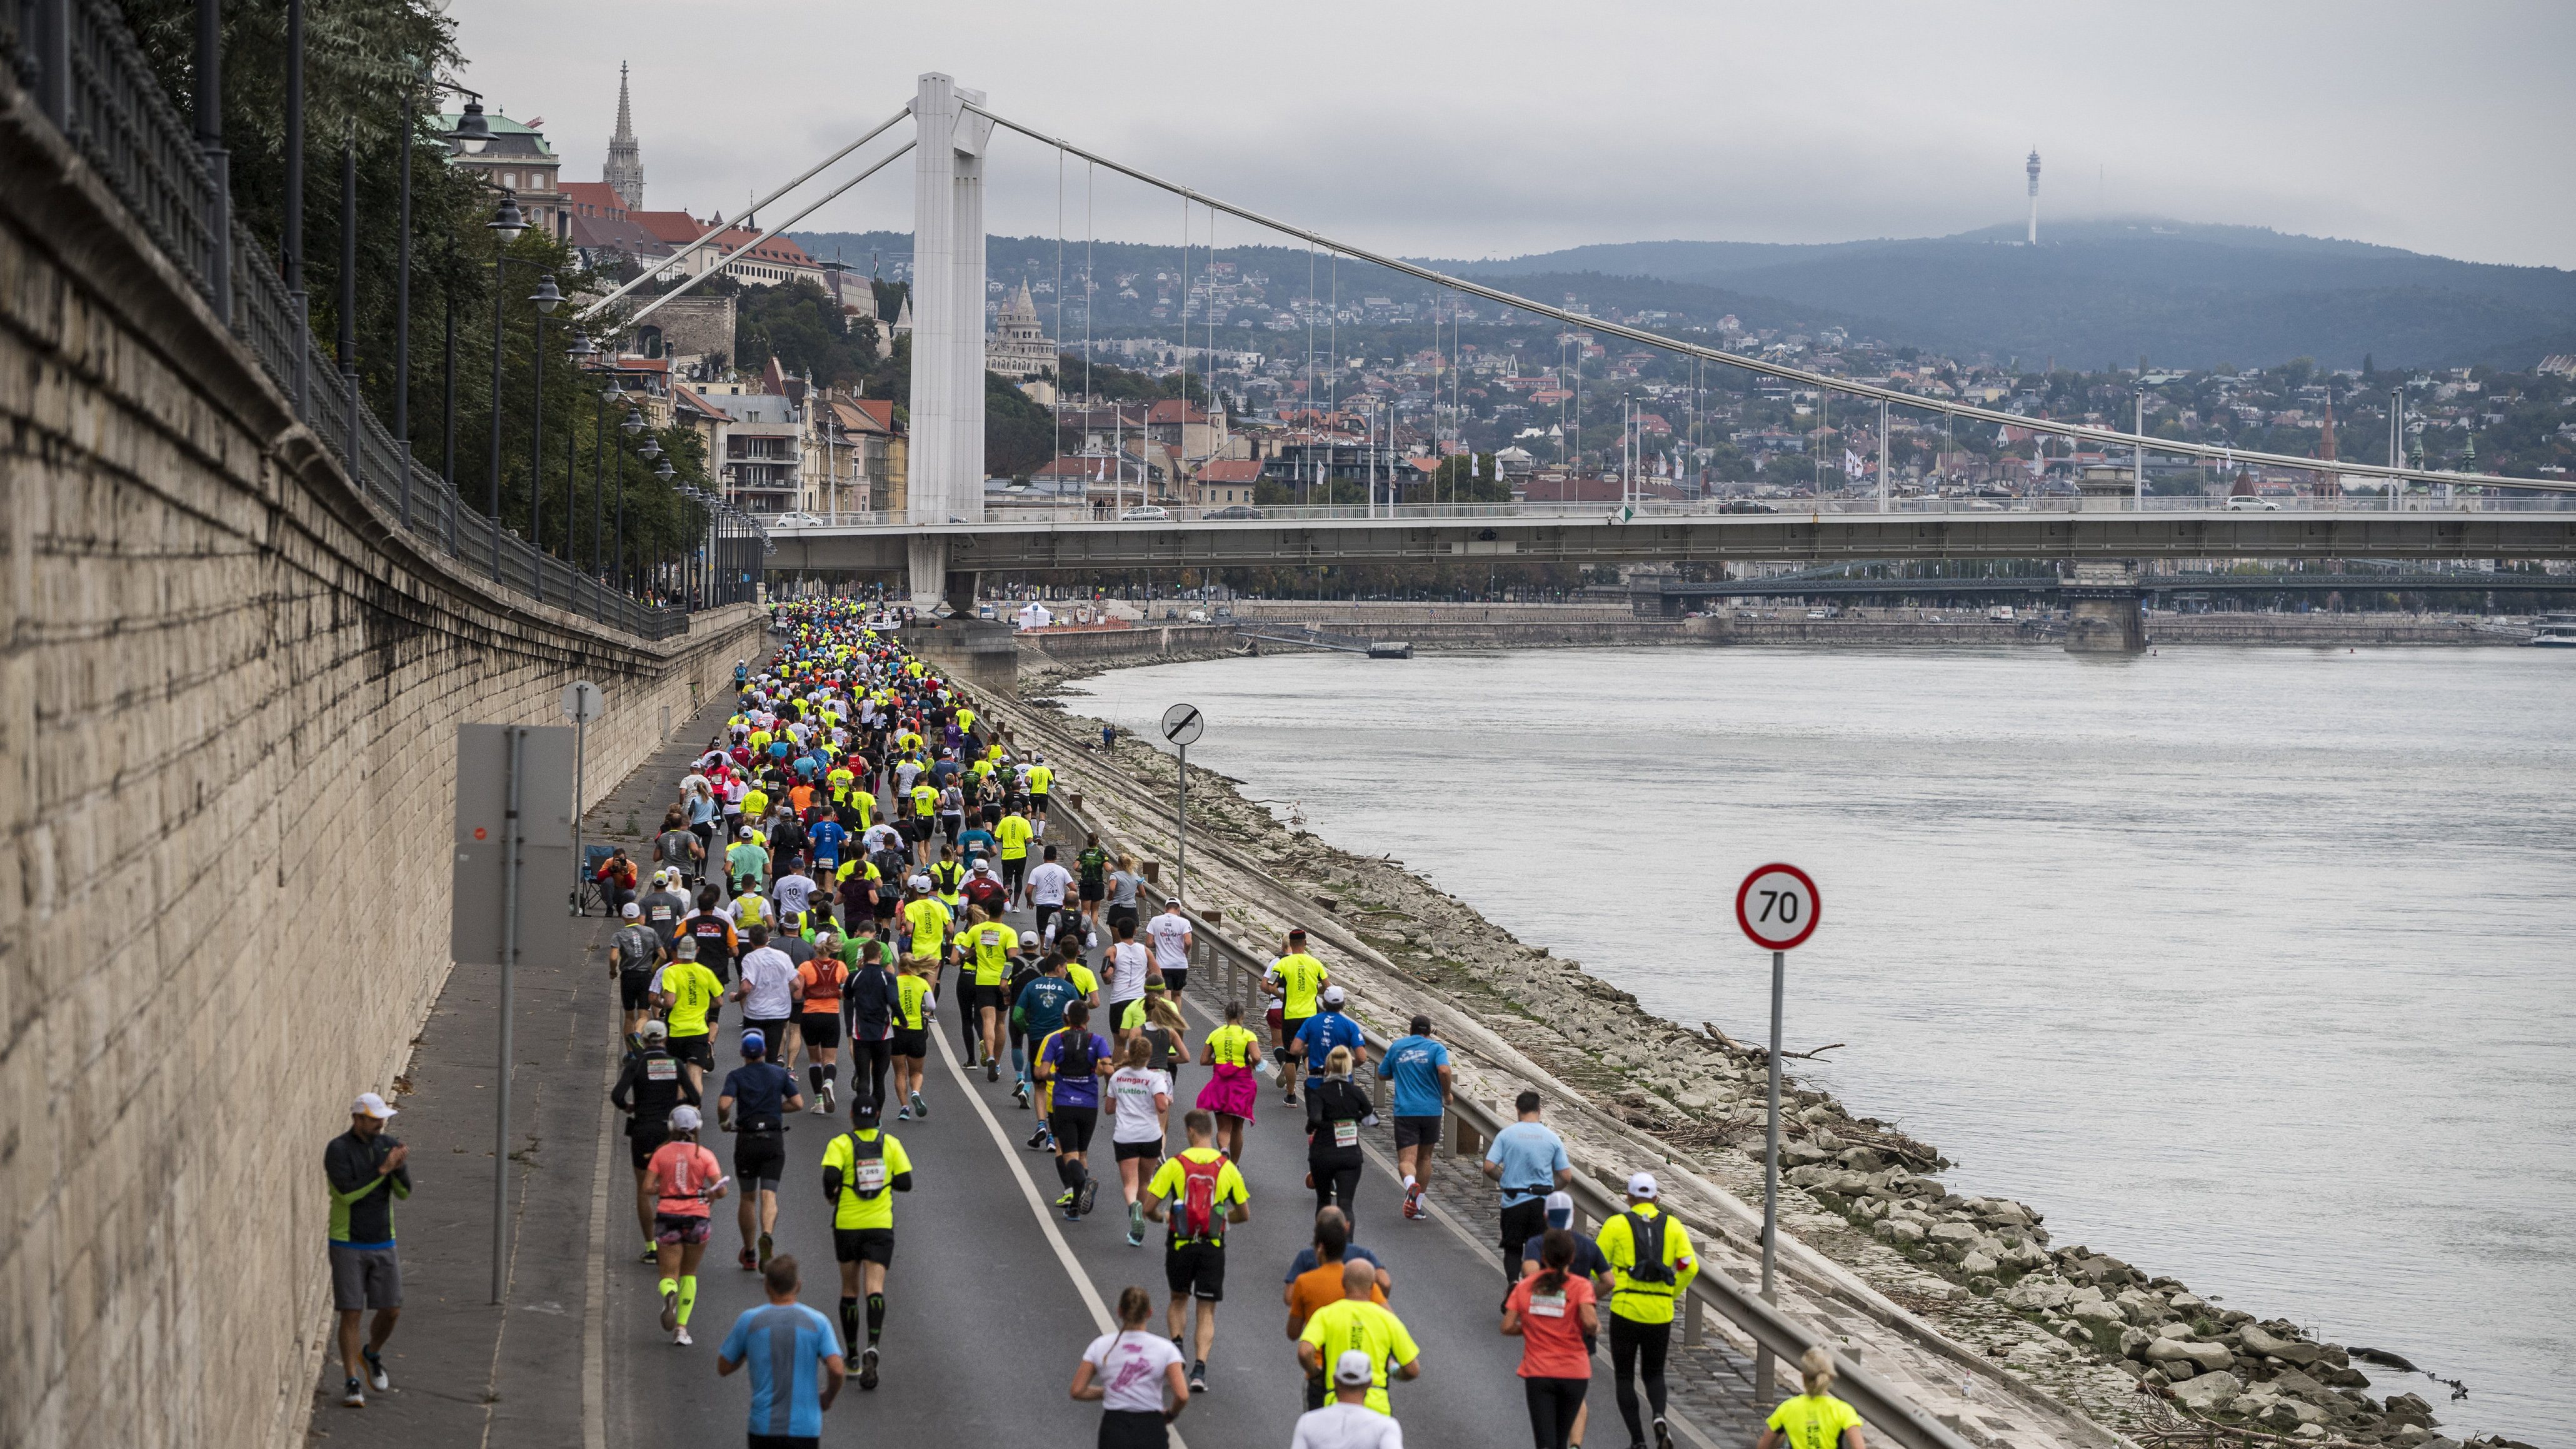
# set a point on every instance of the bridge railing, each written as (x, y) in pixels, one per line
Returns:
(1231, 971)
(1653, 509)
(92, 82)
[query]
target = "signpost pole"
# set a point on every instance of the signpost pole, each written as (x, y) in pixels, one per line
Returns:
(1786, 914)
(1762, 1368)
(1181, 834)
(512, 836)
(580, 767)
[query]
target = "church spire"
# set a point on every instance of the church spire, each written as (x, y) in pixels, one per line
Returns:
(624, 172)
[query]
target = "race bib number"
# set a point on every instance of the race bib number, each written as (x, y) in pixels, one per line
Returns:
(1346, 1133)
(661, 1069)
(871, 1174)
(1547, 1305)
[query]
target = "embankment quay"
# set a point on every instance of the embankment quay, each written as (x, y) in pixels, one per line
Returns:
(1541, 626)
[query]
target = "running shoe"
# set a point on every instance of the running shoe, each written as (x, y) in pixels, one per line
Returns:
(1289, 1096)
(1136, 1224)
(352, 1396)
(822, 1106)
(903, 1114)
(1135, 1239)
(749, 1260)
(377, 1378)
(1071, 1216)
(868, 1367)
(1020, 1096)
(1198, 1377)
(992, 1069)
(652, 1253)
(1663, 1436)
(764, 1250)
(920, 1108)
(1413, 1201)
(1085, 1195)
(831, 1100)
(670, 1310)
(680, 1337)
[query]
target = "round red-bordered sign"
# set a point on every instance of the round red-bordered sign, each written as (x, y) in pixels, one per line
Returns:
(1778, 906)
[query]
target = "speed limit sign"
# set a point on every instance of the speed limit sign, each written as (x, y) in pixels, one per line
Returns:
(1777, 906)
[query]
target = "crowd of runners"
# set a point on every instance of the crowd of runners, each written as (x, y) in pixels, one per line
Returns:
(840, 873)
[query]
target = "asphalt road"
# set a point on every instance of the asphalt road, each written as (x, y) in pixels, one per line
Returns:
(993, 1296)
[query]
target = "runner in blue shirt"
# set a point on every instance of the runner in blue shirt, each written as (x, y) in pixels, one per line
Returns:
(826, 839)
(1419, 1067)
(795, 1359)
(1326, 1030)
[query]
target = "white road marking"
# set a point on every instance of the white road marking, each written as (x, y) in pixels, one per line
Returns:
(1038, 1207)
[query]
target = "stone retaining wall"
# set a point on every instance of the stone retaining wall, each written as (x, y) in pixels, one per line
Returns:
(228, 706)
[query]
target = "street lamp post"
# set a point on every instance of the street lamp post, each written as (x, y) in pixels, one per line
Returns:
(471, 135)
(348, 348)
(546, 299)
(633, 424)
(294, 247)
(506, 224)
(210, 145)
(574, 354)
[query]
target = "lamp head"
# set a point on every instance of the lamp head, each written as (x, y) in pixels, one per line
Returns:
(507, 223)
(547, 297)
(662, 470)
(472, 132)
(634, 422)
(580, 347)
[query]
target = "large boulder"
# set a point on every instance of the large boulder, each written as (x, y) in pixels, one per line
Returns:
(2096, 1315)
(2033, 1294)
(2199, 1355)
(2261, 1343)
(1947, 1234)
(2208, 1393)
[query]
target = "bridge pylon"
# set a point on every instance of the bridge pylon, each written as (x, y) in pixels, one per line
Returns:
(946, 462)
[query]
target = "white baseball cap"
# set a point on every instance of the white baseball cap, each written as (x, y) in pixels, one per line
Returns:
(632, 911)
(370, 1105)
(1642, 1185)
(1352, 1367)
(1333, 996)
(685, 1118)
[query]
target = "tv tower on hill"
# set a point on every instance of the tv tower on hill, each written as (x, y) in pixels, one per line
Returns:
(2034, 197)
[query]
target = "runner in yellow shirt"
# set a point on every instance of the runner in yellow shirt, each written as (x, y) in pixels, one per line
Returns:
(1358, 1322)
(989, 944)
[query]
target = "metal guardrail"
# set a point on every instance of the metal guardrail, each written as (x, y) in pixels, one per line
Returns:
(91, 81)
(1233, 971)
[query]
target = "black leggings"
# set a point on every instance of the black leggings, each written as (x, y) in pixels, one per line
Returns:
(1635, 1345)
(1335, 1185)
(871, 1058)
(1553, 1405)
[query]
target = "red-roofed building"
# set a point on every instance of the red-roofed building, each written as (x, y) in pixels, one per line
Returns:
(1223, 482)
(767, 265)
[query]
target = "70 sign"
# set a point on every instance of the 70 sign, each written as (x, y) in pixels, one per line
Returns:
(1777, 906)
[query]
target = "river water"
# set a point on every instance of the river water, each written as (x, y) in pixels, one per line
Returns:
(2253, 967)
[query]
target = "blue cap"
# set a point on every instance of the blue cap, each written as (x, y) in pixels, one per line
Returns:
(754, 1044)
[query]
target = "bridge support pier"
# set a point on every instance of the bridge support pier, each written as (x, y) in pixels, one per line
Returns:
(984, 654)
(2102, 609)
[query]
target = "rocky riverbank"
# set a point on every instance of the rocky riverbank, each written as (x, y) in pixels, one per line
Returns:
(2137, 1353)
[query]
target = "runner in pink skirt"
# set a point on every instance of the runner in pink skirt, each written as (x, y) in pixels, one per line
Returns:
(1233, 1053)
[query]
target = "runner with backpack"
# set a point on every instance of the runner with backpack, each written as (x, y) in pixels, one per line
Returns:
(1204, 1194)
(862, 1169)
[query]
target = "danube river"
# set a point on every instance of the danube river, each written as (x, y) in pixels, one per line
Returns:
(2252, 967)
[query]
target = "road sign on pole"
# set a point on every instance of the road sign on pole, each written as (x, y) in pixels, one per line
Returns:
(1777, 907)
(1182, 723)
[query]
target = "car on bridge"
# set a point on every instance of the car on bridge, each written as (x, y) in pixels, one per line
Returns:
(1146, 513)
(798, 520)
(1237, 510)
(1745, 505)
(2248, 503)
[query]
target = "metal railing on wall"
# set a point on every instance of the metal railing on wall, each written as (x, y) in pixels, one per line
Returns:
(89, 79)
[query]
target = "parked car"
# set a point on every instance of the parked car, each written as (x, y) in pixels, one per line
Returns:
(1237, 510)
(1745, 505)
(2248, 503)
(1146, 513)
(798, 520)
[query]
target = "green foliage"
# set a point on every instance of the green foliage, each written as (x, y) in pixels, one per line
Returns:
(1019, 435)
(800, 324)
(368, 70)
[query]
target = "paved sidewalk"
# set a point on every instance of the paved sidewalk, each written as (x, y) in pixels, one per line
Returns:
(465, 1372)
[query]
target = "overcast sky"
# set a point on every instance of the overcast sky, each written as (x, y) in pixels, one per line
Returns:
(1502, 128)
